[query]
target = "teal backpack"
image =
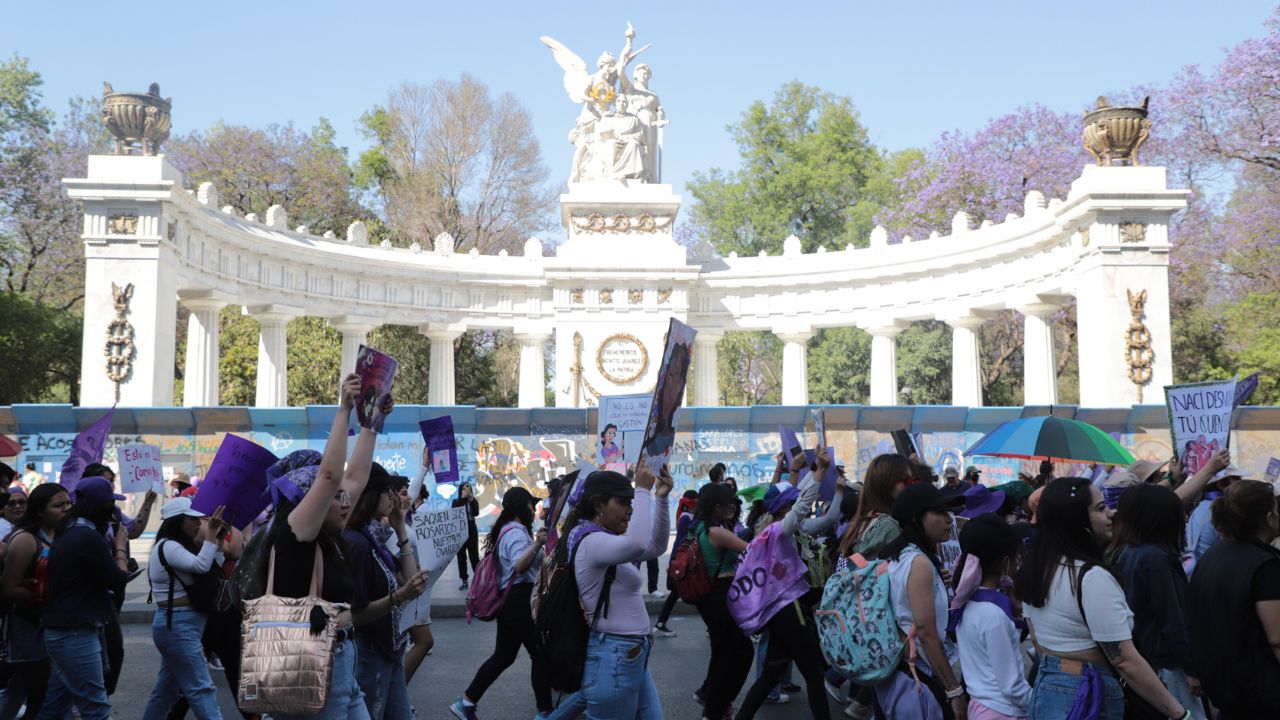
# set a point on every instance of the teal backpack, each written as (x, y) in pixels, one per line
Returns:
(857, 629)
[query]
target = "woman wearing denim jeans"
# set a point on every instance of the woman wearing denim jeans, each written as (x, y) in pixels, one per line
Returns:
(1078, 613)
(383, 584)
(176, 561)
(616, 525)
(84, 568)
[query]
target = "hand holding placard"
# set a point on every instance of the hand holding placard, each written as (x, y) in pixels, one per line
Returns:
(236, 480)
(140, 467)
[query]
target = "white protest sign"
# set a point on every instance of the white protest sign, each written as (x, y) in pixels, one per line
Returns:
(1200, 420)
(140, 468)
(437, 535)
(629, 414)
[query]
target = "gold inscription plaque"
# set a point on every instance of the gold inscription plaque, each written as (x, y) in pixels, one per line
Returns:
(622, 359)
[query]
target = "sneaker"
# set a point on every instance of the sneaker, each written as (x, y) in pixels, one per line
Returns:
(463, 586)
(697, 697)
(216, 664)
(658, 594)
(859, 711)
(463, 712)
(661, 630)
(837, 692)
(779, 699)
(791, 688)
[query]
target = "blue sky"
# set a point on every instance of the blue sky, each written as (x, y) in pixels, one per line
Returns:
(913, 70)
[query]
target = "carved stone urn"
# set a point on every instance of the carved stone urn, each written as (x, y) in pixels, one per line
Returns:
(1112, 135)
(136, 120)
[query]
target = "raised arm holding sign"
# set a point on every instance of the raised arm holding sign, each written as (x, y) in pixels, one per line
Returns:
(668, 394)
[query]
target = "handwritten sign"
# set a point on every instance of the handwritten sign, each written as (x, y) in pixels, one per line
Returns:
(140, 467)
(237, 479)
(443, 448)
(437, 535)
(1200, 420)
(377, 371)
(622, 359)
(629, 414)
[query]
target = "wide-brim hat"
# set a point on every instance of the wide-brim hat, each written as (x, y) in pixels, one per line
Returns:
(1144, 469)
(979, 500)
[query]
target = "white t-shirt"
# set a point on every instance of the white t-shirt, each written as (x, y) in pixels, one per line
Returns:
(991, 657)
(1058, 626)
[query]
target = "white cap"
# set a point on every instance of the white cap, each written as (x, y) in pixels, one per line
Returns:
(179, 506)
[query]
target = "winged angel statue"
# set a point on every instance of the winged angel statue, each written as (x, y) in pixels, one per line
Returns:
(616, 136)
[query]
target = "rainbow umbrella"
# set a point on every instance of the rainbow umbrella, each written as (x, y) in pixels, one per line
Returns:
(1052, 438)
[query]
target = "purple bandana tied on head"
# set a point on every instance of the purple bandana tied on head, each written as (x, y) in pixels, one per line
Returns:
(293, 476)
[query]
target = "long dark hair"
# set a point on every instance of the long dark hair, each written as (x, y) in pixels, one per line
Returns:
(913, 534)
(1149, 515)
(1064, 535)
(710, 498)
(883, 475)
(37, 502)
(100, 514)
(520, 512)
(606, 429)
(366, 507)
(171, 529)
(586, 509)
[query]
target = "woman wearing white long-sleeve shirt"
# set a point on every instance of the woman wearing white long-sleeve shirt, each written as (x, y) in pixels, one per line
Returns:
(178, 626)
(614, 525)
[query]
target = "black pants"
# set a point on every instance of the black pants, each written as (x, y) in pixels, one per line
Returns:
(653, 575)
(515, 628)
(731, 651)
(793, 637)
(115, 651)
(221, 637)
(470, 549)
(33, 679)
(668, 607)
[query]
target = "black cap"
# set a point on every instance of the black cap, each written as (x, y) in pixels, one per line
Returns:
(517, 497)
(920, 497)
(607, 483)
(989, 537)
(380, 479)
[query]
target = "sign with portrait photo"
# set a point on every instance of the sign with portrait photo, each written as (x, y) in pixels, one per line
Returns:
(668, 395)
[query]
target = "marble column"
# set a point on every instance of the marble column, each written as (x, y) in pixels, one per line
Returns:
(795, 367)
(441, 378)
(1039, 362)
(355, 332)
(273, 354)
(200, 378)
(533, 369)
(966, 367)
(884, 364)
(706, 372)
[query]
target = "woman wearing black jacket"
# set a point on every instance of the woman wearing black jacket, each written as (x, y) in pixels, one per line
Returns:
(466, 498)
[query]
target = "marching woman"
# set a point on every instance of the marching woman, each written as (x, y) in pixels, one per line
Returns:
(731, 650)
(176, 561)
(26, 588)
(615, 525)
(84, 570)
(313, 503)
(1078, 613)
(793, 636)
(519, 556)
(382, 585)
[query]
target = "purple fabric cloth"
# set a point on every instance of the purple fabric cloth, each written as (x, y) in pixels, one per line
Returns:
(293, 476)
(1088, 704)
(901, 697)
(86, 449)
(770, 577)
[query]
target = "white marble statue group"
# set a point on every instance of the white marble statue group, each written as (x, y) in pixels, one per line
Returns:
(618, 132)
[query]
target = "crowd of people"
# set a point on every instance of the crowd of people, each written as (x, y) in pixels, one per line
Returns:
(1133, 593)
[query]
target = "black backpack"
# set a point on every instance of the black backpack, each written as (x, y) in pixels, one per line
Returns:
(562, 623)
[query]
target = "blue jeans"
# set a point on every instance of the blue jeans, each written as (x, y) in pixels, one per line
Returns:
(761, 650)
(345, 702)
(78, 659)
(1055, 691)
(616, 684)
(382, 682)
(1176, 681)
(182, 665)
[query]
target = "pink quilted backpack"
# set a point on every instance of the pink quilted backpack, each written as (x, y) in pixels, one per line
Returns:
(484, 597)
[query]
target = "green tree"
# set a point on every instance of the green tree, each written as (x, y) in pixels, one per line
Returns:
(42, 359)
(924, 363)
(806, 168)
(840, 367)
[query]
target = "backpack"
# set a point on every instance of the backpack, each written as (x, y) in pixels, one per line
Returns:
(562, 623)
(818, 553)
(688, 571)
(484, 597)
(857, 629)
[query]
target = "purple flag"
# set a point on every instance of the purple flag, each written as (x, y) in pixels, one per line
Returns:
(770, 576)
(86, 449)
(237, 479)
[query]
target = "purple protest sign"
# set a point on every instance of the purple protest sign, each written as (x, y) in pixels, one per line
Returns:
(770, 576)
(237, 480)
(790, 443)
(1245, 389)
(442, 448)
(86, 449)
(377, 371)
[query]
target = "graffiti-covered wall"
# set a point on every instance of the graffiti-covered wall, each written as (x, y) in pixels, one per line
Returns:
(502, 448)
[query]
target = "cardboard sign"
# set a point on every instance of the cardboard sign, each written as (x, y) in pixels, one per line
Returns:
(906, 446)
(790, 443)
(140, 467)
(668, 394)
(377, 371)
(237, 480)
(442, 448)
(1273, 470)
(820, 425)
(437, 535)
(1200, 420)
(629, 414)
